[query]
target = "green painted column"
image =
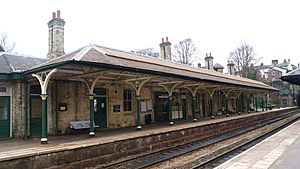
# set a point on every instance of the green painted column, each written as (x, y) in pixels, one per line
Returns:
(248, 104)
(170, 111)
(211, 106)
(237, 105)
(255, 104)
(226, 105)
(194, 108)
(262, 104)
(266, 102)
(203, 106)
(242, 103)
(138, 113)
(92, 127)
(44, 139)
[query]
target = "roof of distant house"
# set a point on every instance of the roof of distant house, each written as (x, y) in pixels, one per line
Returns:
(218, 66)
(283, 71)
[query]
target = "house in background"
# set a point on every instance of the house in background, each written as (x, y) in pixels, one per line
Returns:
(271, 75)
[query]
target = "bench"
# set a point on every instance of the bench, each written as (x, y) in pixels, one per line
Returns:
(77, 125)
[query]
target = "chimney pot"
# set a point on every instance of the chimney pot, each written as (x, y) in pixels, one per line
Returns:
(209, 54)
(58, 14)
(206, 54)
(162, 40)
(53, 15)
(166, 39)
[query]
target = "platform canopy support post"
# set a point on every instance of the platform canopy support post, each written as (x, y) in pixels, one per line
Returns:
(44, 139)
(256, 104)
(137, 85)
(237, 105)
(91, 83)
(266, 95)
(248, 102)
(169, 87)
(226, 104)
(92, 116)
(193, 89)
(194, 108)
(44, 79)
(262, 104)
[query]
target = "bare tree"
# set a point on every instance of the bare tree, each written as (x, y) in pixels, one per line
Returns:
(243, 56)
(186, 52)
(5, 44)
(148, 51)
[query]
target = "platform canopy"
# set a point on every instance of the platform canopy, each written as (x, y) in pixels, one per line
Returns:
(292, 77)
(113, 65)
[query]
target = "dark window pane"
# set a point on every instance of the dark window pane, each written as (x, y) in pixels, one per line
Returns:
(100, 91)
(36, 107)
(127, 100)
(3, 110)
(35, 89)
(3, 89)
(129, 95)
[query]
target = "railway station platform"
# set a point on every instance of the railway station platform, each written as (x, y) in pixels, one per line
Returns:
(81, 151)
(279, 151)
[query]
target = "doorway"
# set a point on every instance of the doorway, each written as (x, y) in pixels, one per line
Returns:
(35, 116)
(100, 107)
(161, 107)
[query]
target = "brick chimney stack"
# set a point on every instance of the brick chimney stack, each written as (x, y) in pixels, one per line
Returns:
(274, 62)
(56, 36)
(209, 61)
(165, 49)
(230, 67)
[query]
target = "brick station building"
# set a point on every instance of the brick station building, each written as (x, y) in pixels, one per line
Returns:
(98, 87)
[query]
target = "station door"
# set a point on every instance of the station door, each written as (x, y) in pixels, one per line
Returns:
(35, 116)
(4, 117)
(100, 112)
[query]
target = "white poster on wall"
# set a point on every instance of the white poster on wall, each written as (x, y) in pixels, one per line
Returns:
(143, 106)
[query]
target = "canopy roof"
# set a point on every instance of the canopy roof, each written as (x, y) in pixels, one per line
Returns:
(11, 63)
(292, 77)
(99, 56)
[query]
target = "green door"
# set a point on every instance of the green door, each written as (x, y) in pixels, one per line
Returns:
(100, 112)
(4, 117)
(35, 116)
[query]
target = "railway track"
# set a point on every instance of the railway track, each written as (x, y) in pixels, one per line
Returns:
(152, 160)
(214, 162)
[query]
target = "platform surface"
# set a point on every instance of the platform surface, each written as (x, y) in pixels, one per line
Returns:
(280, 151)
(12, 149)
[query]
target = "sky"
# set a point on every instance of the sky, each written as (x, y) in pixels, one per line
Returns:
(272, 27)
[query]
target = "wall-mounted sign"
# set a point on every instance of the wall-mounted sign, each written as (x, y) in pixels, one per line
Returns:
(63, 107)
(116, 108)
(143, 106)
